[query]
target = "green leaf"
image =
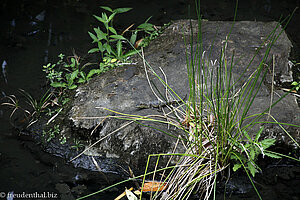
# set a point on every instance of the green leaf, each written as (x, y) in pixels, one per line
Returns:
(106, 8)
(266, 143)
(133, 38)
(258, 134)
(100, 34)
(146, 27)
(251, 168)
(82, 74)
(93, 50)
(131, 52)
(236, 167)
(119, 37)
(252, 154)
(58, 84)
(272, 155)
(111, 17)
(100, 19)
(119, 48)
(95, 39)
(92, 72)
(100, 47)
(113, 30)
(107, 47)
(74, 75)
(104, 17)
(121, 10)
(72, 87)
(81, 80)
(247, 136)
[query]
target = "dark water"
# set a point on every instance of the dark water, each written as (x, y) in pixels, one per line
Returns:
(33, 33)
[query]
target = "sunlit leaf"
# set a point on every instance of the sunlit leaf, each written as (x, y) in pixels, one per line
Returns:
(93, 50)
(119, 37)
(106, 8)
(58, 84)
(266, 143)
(95, 39)
(100, 19)
(236, 167)
(113, 30)
(272, 155)
(121, 10)
(133, 37)
(119, 48)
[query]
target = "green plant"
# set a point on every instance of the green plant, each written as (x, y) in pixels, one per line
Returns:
(109, 42)
(68, 75)
(296, 85)
(51, 133)
(77, 145)
(36, 107)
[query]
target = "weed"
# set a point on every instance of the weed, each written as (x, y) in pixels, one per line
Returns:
(51, 133)
(109, 42)
(77, 145)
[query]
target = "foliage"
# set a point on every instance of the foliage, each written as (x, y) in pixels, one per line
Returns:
(34, 108)
(296, 85)
(53, 133)
(68, 75)
(109, 42)
(77, 145)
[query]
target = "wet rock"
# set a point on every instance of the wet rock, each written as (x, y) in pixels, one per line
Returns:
(123, 88)
(128, 144)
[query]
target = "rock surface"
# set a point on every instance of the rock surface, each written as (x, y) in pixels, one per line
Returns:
(123, 88)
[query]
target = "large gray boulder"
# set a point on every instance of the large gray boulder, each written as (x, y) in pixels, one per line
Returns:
(123, 88)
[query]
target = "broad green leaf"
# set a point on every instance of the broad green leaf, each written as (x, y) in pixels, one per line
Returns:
(95, 39)
(100, 19)
(251, 168)
(272, 155)
(93, 50)
(146, 27)
(121, 10)
(92, 72)
(58, 84)
(119, 37)
(74, 75)
(82, 74)
(119, 48)
(100, 34)
(100, 47)
(133, 38)
(266, 143)
(252, 153)
(236, 167)
(81, 80)
(113, 30)
(106, 8)
(72, 87)
(107, 47)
